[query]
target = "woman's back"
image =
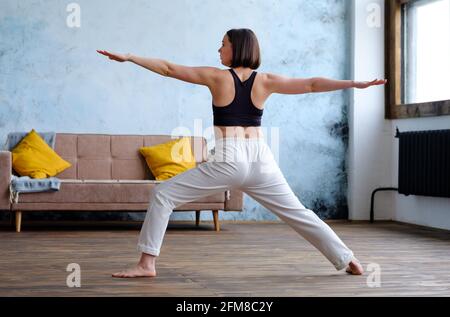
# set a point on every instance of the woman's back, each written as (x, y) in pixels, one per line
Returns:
(228, 89)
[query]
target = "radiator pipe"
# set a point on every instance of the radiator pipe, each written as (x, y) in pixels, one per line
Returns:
(372, 199)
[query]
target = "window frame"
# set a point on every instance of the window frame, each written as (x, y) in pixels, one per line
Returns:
(394, 108)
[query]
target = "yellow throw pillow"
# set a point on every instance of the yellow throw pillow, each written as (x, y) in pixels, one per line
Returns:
(34, 158)
(169, 159)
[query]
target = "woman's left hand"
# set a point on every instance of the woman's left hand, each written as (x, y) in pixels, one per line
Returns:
(365, 84)
(115, 56)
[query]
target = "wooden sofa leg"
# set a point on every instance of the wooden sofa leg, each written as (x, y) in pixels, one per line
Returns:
(216, 220)
(197, 217)
(18, 220)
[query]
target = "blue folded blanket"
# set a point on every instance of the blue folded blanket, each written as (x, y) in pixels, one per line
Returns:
(25, 184)
(14, 138)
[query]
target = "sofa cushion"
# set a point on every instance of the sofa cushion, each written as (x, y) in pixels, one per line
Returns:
(34, 158)
(101, 191)
(104, 156)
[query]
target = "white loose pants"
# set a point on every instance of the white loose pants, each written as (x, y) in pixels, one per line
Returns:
(246, 164)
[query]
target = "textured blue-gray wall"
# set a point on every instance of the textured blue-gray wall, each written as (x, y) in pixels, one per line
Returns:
(52, 79)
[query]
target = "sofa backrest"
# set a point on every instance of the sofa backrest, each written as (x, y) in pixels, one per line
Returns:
(113, 156)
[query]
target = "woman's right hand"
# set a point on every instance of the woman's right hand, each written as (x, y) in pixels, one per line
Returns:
(366, 84)
(115, 56)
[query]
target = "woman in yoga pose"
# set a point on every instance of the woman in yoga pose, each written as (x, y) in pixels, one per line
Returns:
(242, 159)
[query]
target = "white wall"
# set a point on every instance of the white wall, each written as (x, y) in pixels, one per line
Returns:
(373, 148)
(370, 159)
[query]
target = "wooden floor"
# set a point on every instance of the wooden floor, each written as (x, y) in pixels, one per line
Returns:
(244, 259)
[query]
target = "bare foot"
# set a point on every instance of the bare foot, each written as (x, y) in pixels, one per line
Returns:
(354, 267)
(137, 271)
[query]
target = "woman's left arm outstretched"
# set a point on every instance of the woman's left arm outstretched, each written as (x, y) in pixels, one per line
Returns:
(200, 75)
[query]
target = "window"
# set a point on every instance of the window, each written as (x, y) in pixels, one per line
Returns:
(417, 58)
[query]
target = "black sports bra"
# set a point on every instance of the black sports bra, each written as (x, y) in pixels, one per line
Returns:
(241, 111)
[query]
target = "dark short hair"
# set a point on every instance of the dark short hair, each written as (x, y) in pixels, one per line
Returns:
(246, 51)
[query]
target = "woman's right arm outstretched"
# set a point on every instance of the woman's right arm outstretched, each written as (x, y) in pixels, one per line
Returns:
(286, 85)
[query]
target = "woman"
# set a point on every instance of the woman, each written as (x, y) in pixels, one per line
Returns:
(238, 97)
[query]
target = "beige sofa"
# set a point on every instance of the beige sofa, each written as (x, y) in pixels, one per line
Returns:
(107, 174)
